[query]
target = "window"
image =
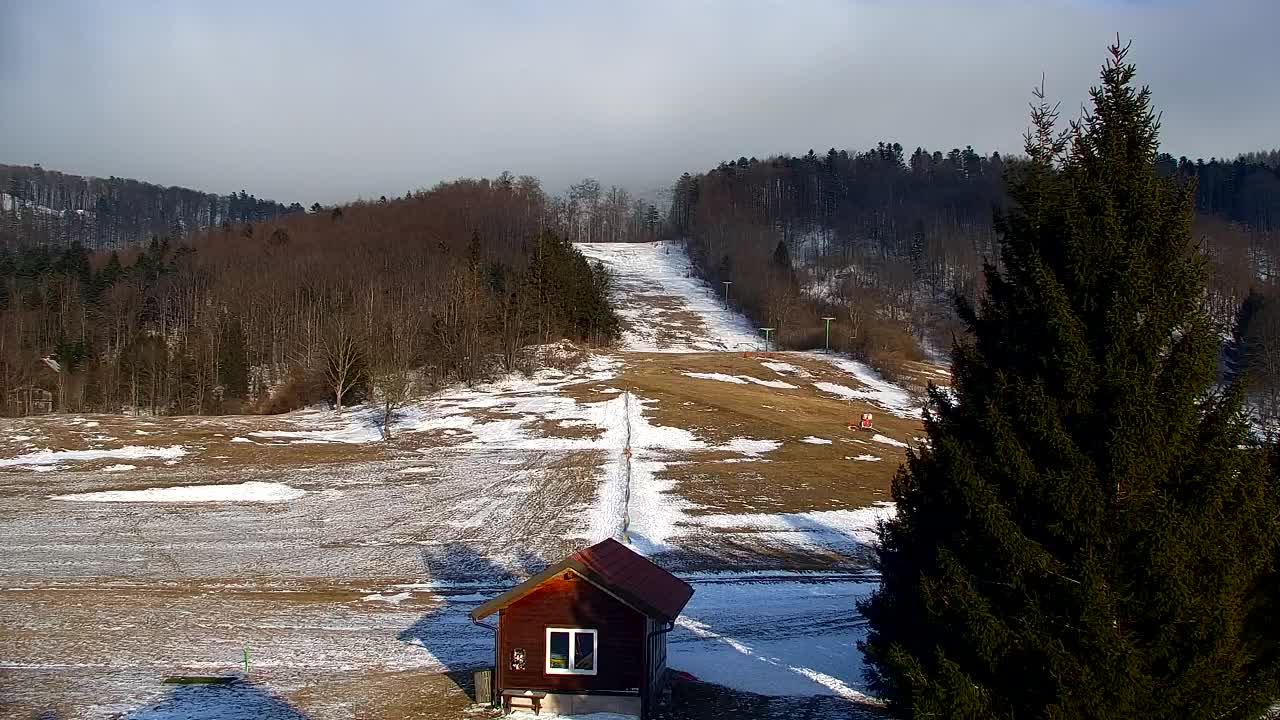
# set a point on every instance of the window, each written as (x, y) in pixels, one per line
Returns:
(571, 651)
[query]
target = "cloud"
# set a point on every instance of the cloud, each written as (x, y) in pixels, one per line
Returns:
(328, 101)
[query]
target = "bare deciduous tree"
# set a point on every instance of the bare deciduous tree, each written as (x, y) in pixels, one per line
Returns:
(394, 362)
(342, 358)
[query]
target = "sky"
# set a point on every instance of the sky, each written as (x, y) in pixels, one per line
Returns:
(326, 101)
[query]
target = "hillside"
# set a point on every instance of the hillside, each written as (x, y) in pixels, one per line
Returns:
(884, 240)
(386, 300)
(347, 563)
(49, 208)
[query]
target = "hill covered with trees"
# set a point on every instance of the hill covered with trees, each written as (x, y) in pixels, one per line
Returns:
(885, 239)
(383, 300)
(41, 207)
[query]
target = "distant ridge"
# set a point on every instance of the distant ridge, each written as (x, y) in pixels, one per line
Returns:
(48, 207)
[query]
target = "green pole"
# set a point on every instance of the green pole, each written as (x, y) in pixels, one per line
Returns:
(828, 319)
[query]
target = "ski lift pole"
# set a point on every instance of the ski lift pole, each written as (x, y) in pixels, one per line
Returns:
(828, 344)
(766, 331)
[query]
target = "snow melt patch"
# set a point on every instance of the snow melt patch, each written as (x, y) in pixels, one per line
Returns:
(356, 430)
(865, 458)
(833, 529)
(750, 446)
(887, 440)
(418, 470)
(875, 389)
(129, 452)
(249, 492)
(785, 368)
(119, 468)
(395, 599)
(816, 440)
(741, 380)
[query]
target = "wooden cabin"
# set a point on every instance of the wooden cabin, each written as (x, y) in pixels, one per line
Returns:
(588, 634)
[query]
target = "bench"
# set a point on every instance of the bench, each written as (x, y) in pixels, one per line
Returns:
(533, 696)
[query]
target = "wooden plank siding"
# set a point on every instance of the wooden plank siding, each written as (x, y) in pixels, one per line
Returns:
(569, 601)
(655, 665)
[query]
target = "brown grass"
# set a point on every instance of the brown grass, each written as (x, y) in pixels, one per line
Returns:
(796, 477)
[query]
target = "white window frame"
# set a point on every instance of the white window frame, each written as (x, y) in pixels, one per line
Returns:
(573, 645)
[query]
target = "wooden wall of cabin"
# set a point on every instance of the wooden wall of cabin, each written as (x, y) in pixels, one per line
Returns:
(572, 603)
(656, 665)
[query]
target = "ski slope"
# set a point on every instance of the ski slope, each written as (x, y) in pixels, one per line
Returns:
(663, 305)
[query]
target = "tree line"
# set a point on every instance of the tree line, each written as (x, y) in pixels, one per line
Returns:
(381, 300)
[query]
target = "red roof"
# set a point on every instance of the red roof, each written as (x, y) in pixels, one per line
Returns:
(616, 569)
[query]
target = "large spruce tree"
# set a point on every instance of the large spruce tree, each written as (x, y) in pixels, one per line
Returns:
(1090, 533)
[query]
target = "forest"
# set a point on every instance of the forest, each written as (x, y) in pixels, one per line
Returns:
(369, 301)
(885, 242)
(235, 304)
(48, 208)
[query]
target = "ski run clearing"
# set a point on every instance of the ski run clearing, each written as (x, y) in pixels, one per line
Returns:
(345, 563)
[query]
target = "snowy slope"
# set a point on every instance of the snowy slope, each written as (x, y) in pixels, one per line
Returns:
(664, 306)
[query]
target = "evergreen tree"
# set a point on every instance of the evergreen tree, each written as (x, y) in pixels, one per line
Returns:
(233, 363)
(781, 257)
(474, 252)
(112, 270)
(1088, 533)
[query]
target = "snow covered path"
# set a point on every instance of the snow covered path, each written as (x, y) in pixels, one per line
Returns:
(666, 308)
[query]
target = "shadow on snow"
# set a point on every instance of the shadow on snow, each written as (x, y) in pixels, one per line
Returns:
(464, 578)
(237, 700)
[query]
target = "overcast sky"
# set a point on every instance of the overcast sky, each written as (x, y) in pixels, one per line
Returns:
(326, 101)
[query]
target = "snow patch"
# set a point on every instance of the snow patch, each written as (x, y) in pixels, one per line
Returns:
(834, 529)
(750, 446)
(865, 458)
(418, 470)
(395, 599)
(741, 380)
(816, 440)
(785, 368)
(887, 440)
(130, 452)
(119, 468)
(717, 376)
(875, 390)
(251, 492)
